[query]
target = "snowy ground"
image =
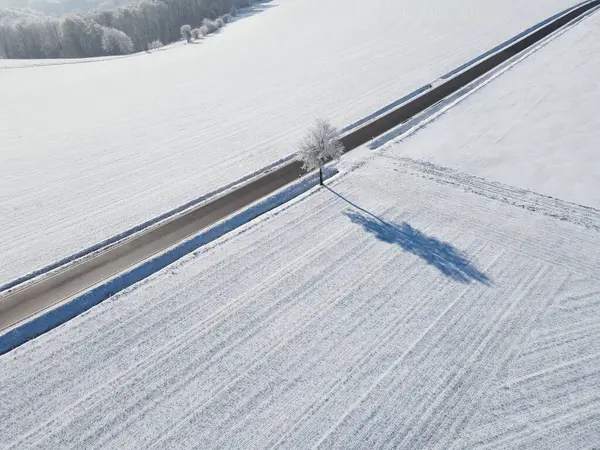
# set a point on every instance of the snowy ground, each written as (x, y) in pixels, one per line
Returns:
(409, 305)
(396, 309)
(89, 150)
(537, 126)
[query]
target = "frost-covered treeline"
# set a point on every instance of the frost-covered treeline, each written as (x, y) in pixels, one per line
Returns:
(126, 29)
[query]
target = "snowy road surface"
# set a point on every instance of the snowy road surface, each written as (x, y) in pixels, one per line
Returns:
(536, 126)
(396, 309)
(90, 150)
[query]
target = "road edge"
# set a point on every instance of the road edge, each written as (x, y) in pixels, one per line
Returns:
(55, 316)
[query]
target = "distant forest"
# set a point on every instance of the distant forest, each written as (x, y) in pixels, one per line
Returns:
(139, 26)
(61, 7)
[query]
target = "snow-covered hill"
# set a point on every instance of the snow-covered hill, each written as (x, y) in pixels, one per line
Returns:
(91, 149)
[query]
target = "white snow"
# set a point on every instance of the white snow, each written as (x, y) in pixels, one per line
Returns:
(89, 150)
(536, 126)
(406, 305)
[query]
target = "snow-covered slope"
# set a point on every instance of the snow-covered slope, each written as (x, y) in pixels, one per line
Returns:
(392, 309)
(89, 150)
(536, 126)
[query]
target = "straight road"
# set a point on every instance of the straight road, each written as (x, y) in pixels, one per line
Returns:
(31, 299)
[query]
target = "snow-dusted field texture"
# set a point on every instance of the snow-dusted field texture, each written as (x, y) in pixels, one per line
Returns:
(89, 150)
(536, 126)
(406, 305)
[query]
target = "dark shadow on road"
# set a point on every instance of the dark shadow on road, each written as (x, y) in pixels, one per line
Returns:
(442, 255)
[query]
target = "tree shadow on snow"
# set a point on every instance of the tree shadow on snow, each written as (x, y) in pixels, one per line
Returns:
(442, 255)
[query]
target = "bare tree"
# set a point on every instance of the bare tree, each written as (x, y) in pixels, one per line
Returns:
(319, 146)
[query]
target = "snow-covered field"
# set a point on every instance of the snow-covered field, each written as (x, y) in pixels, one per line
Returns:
(394, 309)
(407, 305)
(90, 150)
(537, 126)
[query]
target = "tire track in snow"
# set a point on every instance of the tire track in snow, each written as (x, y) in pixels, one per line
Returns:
(347, 249)
(390, 334)
(413, 320)
(565, 382)
(254, 330)
(522, 198)
(259, 401)
(426, 398)
(433, 418)
(327, 435)
(171, 347)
